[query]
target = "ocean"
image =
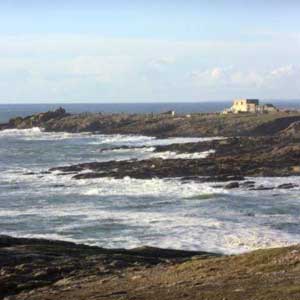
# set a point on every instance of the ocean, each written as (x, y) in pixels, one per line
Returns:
(126, 213)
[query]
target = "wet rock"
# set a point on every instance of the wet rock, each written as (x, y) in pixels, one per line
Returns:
(222, 178)
(232, 185)
(262, 188)
(233, 160)
(287, 186)
(248, 184)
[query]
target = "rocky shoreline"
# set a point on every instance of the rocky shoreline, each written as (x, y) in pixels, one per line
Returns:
(37, 269)
(159, 125)
(255, 146)
(233, 159)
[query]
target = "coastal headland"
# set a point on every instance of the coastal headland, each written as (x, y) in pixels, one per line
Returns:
(250, 144)
(247, 145)
(160, 125)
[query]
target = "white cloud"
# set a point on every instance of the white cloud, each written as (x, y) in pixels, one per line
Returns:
(234, 76)
(283, 71)
(77, 67)
(216, 73)
(279, 82)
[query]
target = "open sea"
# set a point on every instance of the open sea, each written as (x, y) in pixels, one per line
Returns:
(128, 212)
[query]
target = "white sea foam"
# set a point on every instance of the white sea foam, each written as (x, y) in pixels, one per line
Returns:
(21, 132)
(175, 155)
(137, 187)
(140, 141)
(128, 150)
(180, 140)
(37, 133)
(54, 183)
(148, 152)
(174, 229)
(186, 227)
(131, 212)
(120, 139)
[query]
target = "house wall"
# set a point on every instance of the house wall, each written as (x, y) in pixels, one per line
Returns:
(244, 105)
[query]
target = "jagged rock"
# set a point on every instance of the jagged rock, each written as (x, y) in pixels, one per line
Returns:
(248, 184)
(39, 119)
(232, 185)
(233, 159)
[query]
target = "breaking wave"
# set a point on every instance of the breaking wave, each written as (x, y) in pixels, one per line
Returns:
(128, 212)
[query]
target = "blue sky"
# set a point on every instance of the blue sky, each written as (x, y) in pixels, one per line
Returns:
(144, 51)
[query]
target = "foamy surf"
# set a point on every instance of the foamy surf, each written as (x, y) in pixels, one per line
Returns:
(37, 133)
(130, 212)
(149, 152)
(175, 155)
(21, 132)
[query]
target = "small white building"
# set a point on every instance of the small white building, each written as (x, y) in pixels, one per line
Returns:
(249, 106)
(245, 105)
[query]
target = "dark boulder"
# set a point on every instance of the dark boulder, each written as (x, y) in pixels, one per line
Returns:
(287, 186)
(232, 185)
(262, 188)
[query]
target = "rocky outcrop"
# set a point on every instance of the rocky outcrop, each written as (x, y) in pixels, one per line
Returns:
(160, 125)
(292, 131)
(37, 120)
(275, 126)
(36, 269)
(233, 158)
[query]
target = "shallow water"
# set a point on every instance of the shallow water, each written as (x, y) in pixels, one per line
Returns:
(130, 212)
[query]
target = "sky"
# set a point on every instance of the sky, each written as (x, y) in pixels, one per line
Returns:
(148, 51)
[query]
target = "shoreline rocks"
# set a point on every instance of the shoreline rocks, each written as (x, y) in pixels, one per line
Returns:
(38, 269)
(232, 160)
(160, 125)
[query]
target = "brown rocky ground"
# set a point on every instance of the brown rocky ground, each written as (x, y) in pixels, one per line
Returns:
(160, 125)
(40, 269)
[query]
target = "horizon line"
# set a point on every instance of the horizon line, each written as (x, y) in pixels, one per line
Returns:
(152, 102)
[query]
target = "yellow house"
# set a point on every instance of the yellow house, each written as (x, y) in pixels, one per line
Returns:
(245, 105)
(249, 106)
